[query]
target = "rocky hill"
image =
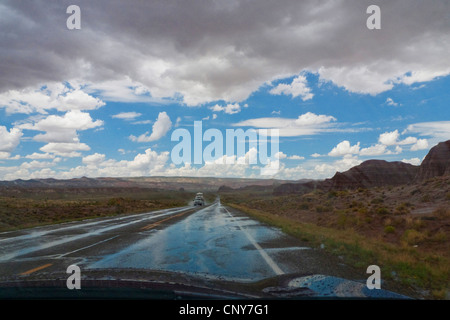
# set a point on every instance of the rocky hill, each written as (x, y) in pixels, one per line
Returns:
(376, 173)
(436, 163)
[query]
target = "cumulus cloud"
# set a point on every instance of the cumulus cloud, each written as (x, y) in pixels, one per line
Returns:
(421, 144)
(228, 109)
(93, 159)
(296, 157)
(65, 149)
(298, 87)
(413, 161)
(57, 96)
(221, 52)
(40, 156)
(391, 102)
(62, 129)
(389, 138)
(9, 140)
(375, 150)
(344, 148)
(392, 138)
(161, 126)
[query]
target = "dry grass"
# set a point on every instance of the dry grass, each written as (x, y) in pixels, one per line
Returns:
(31, 208)
(376, 226)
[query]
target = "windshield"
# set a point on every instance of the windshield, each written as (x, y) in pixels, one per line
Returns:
(227, 150)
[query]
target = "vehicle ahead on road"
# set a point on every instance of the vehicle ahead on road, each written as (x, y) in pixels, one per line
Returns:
(199, 200)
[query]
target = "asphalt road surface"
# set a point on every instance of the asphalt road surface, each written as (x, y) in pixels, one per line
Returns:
(213, 241)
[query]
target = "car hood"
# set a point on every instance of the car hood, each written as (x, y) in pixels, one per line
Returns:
(142, 284)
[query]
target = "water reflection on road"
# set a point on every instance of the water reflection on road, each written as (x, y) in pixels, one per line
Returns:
(210, 242)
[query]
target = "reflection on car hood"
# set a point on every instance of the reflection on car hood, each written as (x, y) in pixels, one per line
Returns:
(142, 284)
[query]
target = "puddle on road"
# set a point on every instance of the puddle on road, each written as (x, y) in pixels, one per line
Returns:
(208, 242)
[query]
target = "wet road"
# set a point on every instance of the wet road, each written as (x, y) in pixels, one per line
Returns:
(212, 241)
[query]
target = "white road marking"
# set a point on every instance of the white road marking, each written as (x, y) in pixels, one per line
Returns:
(23, 251)
(94, 244)
(261, 251)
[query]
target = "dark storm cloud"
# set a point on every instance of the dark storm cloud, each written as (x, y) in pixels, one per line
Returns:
(212, 50)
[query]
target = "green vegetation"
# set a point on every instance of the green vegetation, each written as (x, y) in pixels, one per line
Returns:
(29, 208)
(367, 226)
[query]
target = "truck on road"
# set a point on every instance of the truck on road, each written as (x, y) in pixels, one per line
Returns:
(199, 200)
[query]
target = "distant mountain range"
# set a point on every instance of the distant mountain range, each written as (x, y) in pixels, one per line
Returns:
(371, 173)
(162, 183)
(375, 173)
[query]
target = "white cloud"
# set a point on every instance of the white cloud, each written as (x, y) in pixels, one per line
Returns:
(56, 96)
(361, 79)
(122, 90)
(306, 124)
(413, 161)
(93, 159)
(280, 155)
(64, 149)
(9, 140)
(161, 126)
(296, 157)
(375, 150)
(392, 138)
(344, 148)
(391, 102)
(438, 130)
(40, 156)
(389, 138)
(33, 165)
(62, 129)
(127, 115)
(228, 109)
(298, 87)
(316, 155)
(421, 144)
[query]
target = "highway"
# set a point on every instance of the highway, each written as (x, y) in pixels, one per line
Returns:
(212, 242)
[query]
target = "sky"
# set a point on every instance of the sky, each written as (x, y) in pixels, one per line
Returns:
(106, 100)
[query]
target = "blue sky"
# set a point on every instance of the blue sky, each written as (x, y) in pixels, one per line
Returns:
(110, 109)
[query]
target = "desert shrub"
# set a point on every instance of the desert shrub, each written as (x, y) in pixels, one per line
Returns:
(412, 236)
(382, 211)
(440, 237)
(442, 212)
(425, 198)
(402, 208)
(377, 201)
(389, 229)
(304, 206)
(332, 194)
(325, 208)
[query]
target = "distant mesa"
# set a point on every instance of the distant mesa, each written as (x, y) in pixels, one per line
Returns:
(436, 163)
(225, 188)
(376, 173)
